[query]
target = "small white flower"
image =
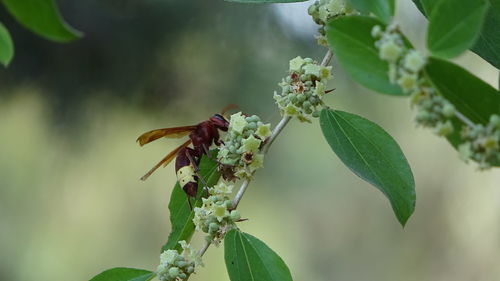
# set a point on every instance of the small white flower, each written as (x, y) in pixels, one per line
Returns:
(168, 257)
(257, 161)
(251, 143)
(222, 188)
(237, 122)
(263, 131)
(296, 64)
(325, 72)
(323, 13)
(336, 7)
(312, 69)
(390, 51)
(414, 61)
(377, 31)
(408, 82)
(220, 212)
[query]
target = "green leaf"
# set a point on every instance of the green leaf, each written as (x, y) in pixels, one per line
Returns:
(43, 18)
(351, 41)
(6, 46)
(455, 27)
(373, 155)
(249, 259)
(181, 216)
(265, 1)
(428, 5)
(471, 96)
(488, 43)
(383, 9)
(124, 274)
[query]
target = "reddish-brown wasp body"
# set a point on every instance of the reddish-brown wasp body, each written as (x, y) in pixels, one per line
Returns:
(202, 136)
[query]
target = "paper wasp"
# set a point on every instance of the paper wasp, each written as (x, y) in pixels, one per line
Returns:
(202, 136)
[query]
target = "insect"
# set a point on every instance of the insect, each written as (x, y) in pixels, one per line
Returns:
(202, 136)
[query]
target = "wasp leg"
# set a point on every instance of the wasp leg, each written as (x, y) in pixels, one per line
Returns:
(196, 169)
(207, 151)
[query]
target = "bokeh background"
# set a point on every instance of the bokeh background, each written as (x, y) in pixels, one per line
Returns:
(72, 205)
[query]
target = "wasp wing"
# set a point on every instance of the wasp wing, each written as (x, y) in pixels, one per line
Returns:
(166, 160)
(176, 132)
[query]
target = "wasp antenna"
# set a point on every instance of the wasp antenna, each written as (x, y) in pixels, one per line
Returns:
(229, 107)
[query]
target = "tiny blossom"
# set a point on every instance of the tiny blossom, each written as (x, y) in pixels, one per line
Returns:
(390, 51)
(296, 63)
(302, 90)
(414, 61)
(312, 69)
(251, 143)
(408, 81)
(175, 266)
(263, 131)
(222, 189)
(214, 216)
(238, 122)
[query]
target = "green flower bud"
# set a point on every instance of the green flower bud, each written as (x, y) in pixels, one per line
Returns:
(306, 104)
(301, 98)
(445, 129)
(213, 227)
(173, 272)
(181, 264)
(252, 125)
(315, 114)
(495, 121)
(422, 116)
(190, 269)
(182, 276)
(235, 215)
(448, 110)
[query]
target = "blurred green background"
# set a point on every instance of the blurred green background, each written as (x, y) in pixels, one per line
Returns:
(72, 205)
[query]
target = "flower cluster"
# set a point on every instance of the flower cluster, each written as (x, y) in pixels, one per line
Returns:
(215, 217)
(405, 69)
(479, 143)
(303, 89)
(482, 143)
(324, 10)
(175, 267)
(240, 153)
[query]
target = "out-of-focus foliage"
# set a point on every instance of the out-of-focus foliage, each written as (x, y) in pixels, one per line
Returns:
(145, 52)
(43, 18)
(6, 46)
(72, 205)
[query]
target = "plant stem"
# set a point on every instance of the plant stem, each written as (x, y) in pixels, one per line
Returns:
(276, 131)
(464, 119)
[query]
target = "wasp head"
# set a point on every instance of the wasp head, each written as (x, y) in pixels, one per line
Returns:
(220, 122)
